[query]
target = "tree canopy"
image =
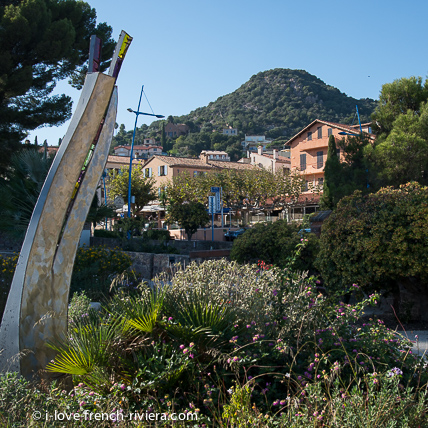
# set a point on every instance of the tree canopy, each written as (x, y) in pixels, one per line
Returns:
(141, 187)
(249, 188)
(189, 215)
(43, 42)
(400, 122)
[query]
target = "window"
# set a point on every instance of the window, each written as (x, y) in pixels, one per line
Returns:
(319, 129)
(370, 129)
(162, 170)
(309, 135)
(320, 162)
(338, 153)
(320, 182)
(147, 172)
(305, 187)
(330, 131)
(302, 161)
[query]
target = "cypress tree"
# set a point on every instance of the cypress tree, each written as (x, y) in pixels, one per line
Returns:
(332, 176)
(163, 137)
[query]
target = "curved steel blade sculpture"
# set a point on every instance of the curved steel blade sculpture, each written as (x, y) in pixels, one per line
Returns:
(36, 309)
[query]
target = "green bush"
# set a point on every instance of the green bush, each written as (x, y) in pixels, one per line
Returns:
(376, 241)
(220, 333)
(157, 234)
(94, 270)
(275, 243)
(102, 233)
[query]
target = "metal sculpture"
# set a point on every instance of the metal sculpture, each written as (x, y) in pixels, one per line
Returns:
(36, 309)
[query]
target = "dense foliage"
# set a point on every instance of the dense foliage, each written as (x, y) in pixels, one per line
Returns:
(237, 346)
(43, 42)
(401, 124)
(376, 241)
(275, 243)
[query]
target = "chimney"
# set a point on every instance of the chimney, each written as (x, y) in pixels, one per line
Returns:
(204, 157)
(260, 150)
(275, 153)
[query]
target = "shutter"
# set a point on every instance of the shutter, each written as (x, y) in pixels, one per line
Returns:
(150, 172)
(166, 170)
(159, 171)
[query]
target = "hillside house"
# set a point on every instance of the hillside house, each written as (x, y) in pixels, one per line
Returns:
(173, 131)
(216, 155)
(309, 147)
(143, 151)
(230, 132)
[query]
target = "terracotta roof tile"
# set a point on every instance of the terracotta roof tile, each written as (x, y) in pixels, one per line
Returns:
(333, 124)
(199, 163)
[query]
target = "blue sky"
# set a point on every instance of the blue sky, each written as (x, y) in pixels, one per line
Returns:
(188, 53)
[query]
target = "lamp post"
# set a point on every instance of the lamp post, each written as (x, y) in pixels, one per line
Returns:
(137, 113)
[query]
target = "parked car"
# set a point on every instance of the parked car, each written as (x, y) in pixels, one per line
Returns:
(301, 232)
(232, 234)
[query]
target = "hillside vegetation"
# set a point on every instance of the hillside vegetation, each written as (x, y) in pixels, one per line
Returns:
(277, 103)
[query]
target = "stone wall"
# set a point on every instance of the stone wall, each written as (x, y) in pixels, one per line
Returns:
(185, 247)
(149, 265)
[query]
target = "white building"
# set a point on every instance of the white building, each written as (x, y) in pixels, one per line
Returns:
(251, 142)
(230, 132)
(216, 155)
(273, 162)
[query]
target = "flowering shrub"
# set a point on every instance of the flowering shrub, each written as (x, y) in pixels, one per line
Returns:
(219, 327)
(244, 346)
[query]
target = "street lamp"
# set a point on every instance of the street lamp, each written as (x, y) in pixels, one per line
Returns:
(137, 113)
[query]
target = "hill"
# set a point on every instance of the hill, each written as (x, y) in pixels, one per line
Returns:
(277, 103)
